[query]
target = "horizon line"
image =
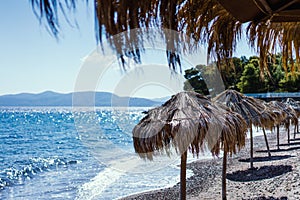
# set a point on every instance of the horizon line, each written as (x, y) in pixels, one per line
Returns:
(71, 92)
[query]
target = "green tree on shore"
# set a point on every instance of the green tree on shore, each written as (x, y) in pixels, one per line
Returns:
(231, 75)
(250, 81)
(195, 81)
(276, 74)
(290, 83)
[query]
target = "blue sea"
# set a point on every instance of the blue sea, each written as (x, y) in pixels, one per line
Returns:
(62, 153)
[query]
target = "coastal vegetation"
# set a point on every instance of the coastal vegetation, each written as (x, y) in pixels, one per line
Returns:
(243, 75)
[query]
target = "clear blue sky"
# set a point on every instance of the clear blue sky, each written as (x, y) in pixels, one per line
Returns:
(34, 61)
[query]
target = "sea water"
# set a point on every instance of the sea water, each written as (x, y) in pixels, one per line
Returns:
(49, 153)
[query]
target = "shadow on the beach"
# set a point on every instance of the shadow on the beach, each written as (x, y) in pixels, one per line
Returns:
(255, 174)
(296, 139)
(268, 198)
(266, 158)
(289, 144)
(279, 150)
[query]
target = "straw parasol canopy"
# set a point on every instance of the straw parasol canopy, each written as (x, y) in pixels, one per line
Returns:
(278, 109)
(252, 110)
(281, 114)
(183, 122)
(292, 118)
(272, 26)
(188, 121)
(296, 106)
(268, 119)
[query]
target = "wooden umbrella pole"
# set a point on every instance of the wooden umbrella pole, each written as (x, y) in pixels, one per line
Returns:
(288, 133)
(266, 140)
(251, 147)
(224, 174)
(277, 136)
(183, 176)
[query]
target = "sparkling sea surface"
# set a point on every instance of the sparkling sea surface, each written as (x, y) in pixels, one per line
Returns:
(59, 153)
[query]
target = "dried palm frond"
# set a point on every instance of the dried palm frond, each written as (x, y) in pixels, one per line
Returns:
(209, 23)
(206, 22)
(268, 37)
(233, 134)
(50, 10)
(268, 119)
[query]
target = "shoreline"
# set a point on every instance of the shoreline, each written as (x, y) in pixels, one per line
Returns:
(273, 178)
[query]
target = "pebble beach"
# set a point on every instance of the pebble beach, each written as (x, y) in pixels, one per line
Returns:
(272, 178)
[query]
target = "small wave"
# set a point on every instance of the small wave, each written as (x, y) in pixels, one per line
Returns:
(98, 184)
(3, 183)
(25, 170)
(113, 183)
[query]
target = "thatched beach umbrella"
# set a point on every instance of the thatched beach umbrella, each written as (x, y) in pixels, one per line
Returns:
(188, 121)
(296, 106)
(252, 110)
(280, 112)
(233, 134)
(268, 119)
(290, 119)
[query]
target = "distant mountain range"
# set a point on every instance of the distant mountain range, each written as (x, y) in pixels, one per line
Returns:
(49, 98)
